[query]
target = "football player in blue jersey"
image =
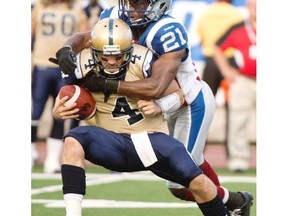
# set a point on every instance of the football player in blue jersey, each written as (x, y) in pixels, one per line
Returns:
(123, 138)
(154, 28)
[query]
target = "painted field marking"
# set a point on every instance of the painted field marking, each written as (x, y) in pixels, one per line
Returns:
(98, 179)
(101, 203)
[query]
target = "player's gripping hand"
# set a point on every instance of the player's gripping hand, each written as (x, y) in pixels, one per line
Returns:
(66, 59)
(60, 111)
(96, 83)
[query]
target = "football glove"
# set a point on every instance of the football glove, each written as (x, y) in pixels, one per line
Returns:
(66, 59)
(96, 83)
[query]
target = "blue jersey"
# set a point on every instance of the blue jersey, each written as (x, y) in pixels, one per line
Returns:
(193, 121)
(168, 35)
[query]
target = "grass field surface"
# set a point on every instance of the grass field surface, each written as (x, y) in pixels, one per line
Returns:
(125, 194)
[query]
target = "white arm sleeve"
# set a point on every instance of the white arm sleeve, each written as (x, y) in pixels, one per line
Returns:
(169, 103)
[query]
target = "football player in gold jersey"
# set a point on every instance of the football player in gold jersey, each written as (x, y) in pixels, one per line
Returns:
(124, 138)
(52, 22)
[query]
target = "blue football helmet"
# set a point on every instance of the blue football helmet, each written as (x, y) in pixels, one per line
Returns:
(141, 12)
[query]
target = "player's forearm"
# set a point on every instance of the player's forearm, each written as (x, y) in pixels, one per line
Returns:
(154, 87)
(145, 89)
(79, 41)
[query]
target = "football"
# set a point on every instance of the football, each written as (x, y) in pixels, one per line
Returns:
(82, 97)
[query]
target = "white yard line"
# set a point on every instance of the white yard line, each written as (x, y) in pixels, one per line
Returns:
(97, 179)
(101, 203)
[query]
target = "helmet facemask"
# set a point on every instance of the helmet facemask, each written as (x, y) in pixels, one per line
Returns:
(111, 37)
(115, 51)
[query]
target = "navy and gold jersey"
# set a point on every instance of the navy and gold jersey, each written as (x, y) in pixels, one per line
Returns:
(120, 113)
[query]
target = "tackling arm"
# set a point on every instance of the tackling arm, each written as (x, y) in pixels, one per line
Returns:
(163, 72)
(79, 41)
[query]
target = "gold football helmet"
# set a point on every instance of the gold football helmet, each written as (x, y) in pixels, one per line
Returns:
(111, 36)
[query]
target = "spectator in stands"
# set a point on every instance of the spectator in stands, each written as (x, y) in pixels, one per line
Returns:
(214, 21)
(242, 91)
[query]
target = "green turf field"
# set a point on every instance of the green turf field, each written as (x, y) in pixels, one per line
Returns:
(138, 194)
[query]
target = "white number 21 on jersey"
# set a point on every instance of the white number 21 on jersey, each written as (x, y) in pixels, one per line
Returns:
(172, 43)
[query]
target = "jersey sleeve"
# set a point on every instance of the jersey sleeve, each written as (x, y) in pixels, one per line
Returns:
(167, 35)
(141, 62)
(149, 59)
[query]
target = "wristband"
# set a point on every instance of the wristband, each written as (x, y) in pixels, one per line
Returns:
(111, 85)
(169, 103)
